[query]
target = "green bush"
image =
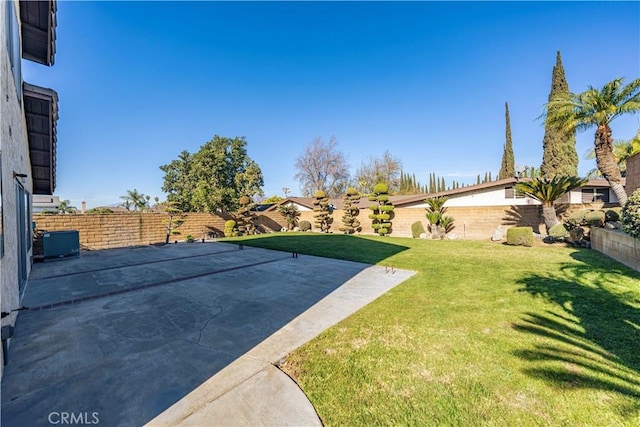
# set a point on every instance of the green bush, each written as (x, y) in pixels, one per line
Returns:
(189, 239)
(230, 228)
(630, 217)
(595, 218)
(558, 232)
(576, 219)
(520, 236)
(417, 229)
(99, 211)
(304, 225)
(612, 214)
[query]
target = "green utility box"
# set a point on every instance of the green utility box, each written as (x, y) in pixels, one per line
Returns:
(59, 244)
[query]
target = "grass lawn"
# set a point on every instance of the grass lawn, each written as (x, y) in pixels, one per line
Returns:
(484, 334)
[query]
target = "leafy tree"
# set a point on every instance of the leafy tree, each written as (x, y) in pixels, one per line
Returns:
(382, 210)
(271, 200)
(386, 169)
(350, 221)
(322, 214)
(547, 191)
(507, 170)
(178, 183)
(598, 107)
(290, 213)
(559, 156)
(214, 178)
(322, 167)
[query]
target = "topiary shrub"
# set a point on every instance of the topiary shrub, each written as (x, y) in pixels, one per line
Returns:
(520, 236)
(576, 219)
(304, 225)
(417, 229)
(350, 221)
(630, 217)
(382, 210)
(558, 232)
(595, 218)
(322, 214)
(612, 214)
(230, 228)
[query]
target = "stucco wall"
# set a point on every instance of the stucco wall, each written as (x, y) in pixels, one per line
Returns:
(15, 157)
(633, 174)
(617, 245)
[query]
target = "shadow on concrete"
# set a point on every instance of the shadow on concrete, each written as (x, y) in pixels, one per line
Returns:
(593, 340)
(124, 359)
(340, 246)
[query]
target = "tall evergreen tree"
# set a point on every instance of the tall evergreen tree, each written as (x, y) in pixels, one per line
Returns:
(508, 167)
(559, 156)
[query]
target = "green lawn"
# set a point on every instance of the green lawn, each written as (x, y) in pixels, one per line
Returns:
(484, 334)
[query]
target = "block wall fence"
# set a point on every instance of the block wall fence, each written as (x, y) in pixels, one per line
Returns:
(131, 229)
(633, 174)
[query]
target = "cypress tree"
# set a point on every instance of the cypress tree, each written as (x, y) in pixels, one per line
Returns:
(559, 157)
(508, 168)
(478, 180)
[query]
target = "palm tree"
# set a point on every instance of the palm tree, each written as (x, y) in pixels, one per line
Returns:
(547, 191)
(136, 200)
(622, 150)
(290, 213)
(598, 108)
(66, 208)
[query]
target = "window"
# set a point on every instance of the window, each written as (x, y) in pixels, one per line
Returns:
(592, 194)
(513, 193)
(13, 45)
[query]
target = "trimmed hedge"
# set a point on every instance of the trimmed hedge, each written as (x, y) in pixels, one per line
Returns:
(304, 225)
(595, 218)
(558, 232)
(417, 229)
(520, 236)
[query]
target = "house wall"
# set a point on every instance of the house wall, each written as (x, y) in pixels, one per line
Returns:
(15, 157)
(130, 229)
(633, 174)
(617, 245)
(482, 198)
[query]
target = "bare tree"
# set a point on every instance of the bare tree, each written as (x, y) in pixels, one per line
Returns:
(322, 167)
(385, 169)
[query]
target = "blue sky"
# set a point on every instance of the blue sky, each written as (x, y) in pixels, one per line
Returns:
(139, 82)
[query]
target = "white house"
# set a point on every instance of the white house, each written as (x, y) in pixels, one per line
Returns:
(28, 116)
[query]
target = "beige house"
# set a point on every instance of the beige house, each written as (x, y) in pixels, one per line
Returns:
(28, 117)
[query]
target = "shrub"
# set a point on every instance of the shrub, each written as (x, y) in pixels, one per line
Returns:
(189, 239)
(520, 236)
(595, 218)
(558, 232)
(99, 211)
(304, 225)
(630, 217)
(576, 219)
(417, 229)
(612, 214)
(230, 228)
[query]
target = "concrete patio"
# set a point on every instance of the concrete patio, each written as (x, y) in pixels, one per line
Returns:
(179, 334)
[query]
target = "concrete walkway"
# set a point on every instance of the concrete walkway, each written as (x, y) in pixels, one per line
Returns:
(176, 335)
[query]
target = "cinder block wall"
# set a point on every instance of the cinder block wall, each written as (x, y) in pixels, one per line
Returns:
(130, 229)
(633, 174)
(475, 223)
(617, 245)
